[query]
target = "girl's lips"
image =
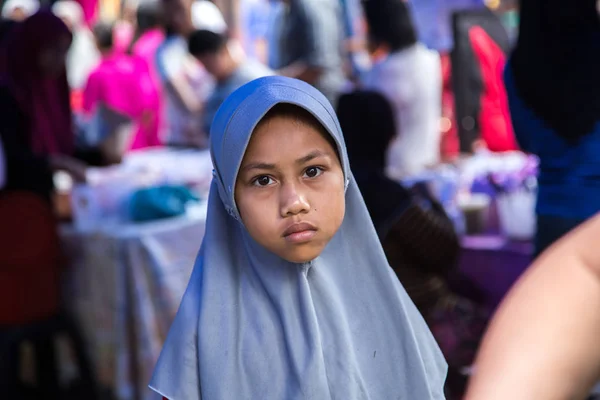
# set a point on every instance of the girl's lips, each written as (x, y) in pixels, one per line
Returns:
(300, 237)
(300, 232)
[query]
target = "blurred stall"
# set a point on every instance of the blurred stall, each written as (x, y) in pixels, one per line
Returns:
(491, 199)
(132, 246)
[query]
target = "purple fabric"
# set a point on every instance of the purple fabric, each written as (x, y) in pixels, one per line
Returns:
(494, 264)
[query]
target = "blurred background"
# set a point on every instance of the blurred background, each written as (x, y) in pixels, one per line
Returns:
(105, 115)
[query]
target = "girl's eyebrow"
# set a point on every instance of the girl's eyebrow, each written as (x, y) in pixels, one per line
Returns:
(258, 165)
(311, 156)
(302, 160)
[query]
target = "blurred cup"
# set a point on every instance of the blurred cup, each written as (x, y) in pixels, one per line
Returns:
(516, 211)
(475, 208)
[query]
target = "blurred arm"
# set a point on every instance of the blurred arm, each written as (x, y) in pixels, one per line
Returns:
(315, 29)
(543, 342)
(171, 62)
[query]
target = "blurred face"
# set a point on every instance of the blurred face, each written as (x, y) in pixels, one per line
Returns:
(290, 189)
(52, 58)
(129, 14)
(215, 64)
(178, 15)
(18, 14)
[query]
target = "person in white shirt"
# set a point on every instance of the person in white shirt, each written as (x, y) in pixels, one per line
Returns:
(19, 10)
(187, 84)
(409, 76)
(83, 55)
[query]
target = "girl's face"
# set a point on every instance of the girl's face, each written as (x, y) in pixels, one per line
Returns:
(290, 189)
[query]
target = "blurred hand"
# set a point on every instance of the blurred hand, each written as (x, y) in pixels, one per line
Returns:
(73, 167)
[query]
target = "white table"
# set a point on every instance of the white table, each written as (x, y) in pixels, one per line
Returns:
(124, 287)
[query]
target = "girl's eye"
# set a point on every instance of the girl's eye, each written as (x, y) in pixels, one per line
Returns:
(262, 181)
(313, 172)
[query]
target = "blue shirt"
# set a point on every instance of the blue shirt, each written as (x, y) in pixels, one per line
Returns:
(569, 178)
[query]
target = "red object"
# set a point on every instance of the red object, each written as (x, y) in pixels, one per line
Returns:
(494, 119)
(450, 145)
(495, 126)
(30, 259)
(77, 101)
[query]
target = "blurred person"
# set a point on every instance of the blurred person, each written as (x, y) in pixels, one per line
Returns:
(417, 236)
(148, 38)
(123, 84)
(149, 33)
(19, 10)
(552, 82)
(292, 296)
(307, 40)
(543, 341)
(6, 25)
(2, 166)
(37, 138)
(276, 13)
(229, 71)
(124, 27)
(36, 129)
(83, 55)
(479, 55)
(186, 83)
(206, 15)
(474, 86)
(254, 21)
(91, 10)
(409, 76)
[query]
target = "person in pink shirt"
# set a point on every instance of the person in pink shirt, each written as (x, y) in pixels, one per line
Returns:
(149, 34)
(148, 38)
(123, 83)
(90, 11)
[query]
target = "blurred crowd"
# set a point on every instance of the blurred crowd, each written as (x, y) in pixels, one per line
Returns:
(414, 84)
(78, 90)
(167, 66)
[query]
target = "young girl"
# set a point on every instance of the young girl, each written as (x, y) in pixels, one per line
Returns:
(291, 296)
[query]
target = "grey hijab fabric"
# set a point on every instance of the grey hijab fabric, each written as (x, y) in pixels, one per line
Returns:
(253, 326)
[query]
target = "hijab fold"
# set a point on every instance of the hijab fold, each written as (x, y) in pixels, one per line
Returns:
(254, 326)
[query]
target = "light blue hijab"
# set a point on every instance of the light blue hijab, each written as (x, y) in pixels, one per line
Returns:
(253, 326)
